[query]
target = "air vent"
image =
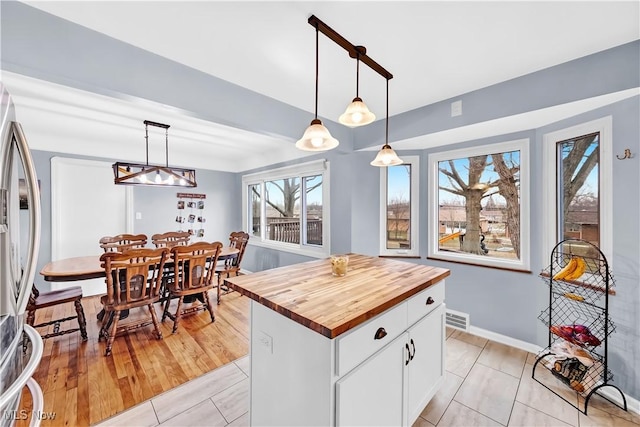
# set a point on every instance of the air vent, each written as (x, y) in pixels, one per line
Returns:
(458, 320)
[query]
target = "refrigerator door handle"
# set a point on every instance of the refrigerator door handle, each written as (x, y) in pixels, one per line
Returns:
(33, 196)
(38, 401)
(36, 354)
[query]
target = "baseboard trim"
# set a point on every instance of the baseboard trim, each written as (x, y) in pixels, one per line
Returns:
(633, 405)
(503, 339)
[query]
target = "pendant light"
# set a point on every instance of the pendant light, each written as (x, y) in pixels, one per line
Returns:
(316, 137)
(126, 173)
(357, 113)
(386, 156)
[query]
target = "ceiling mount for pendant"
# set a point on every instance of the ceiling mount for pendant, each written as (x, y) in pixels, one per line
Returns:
(126, 173)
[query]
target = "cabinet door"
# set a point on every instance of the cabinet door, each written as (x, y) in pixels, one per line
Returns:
(372, 394)
(426, 368)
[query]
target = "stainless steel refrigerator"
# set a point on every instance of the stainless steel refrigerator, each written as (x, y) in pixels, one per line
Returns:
(20, 345)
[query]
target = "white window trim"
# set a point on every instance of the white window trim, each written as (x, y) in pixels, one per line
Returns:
(523, 264)
(316, 167)
(415, 204)
(549, 203)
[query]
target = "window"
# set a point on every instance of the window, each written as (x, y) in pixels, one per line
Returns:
(578, 188)
(255, 209)
(577, 203)
(399, 208)
(287, 208)
(479, 205)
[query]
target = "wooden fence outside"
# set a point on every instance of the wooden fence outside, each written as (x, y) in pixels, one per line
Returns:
(288, 230)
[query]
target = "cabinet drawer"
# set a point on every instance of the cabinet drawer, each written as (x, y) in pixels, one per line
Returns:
(426, 301)
(360, 343)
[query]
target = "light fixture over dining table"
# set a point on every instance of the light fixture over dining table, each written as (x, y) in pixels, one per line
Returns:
(145, 174)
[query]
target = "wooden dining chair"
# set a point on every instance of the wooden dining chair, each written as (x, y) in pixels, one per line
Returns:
(194, 266)
(123, 242)
(231, 265)
(171, 239)
(133, 281)
(41, 300)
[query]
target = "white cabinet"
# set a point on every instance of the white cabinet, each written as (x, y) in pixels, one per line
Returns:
(394, 384)
(382, 372)
(426, 367)
(372, 394)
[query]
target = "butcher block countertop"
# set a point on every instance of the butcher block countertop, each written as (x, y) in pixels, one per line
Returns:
(309, 294)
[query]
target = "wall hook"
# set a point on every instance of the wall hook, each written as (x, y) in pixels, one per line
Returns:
(627, 154)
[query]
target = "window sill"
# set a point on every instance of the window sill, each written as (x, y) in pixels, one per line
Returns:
(291, 248)
(400, 256)
(477, 264)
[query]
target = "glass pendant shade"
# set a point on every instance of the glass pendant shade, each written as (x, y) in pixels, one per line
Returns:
(386, 157)
(316, 138)
(357, 114)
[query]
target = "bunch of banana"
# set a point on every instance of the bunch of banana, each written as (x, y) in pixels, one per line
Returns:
(573, 270)
(573, 296)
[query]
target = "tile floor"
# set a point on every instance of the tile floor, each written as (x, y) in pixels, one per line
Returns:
(486, 384)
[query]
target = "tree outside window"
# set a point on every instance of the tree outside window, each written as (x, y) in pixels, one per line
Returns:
(285, 207)
(399, 208)
(578, 189)
(477, 197)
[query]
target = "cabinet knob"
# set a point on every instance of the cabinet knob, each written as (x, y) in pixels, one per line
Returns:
(430, 301)
(380, 333)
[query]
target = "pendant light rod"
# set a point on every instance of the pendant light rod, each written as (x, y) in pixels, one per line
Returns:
(317, 36)
(148, 123)
(357, 74)
(354, 51)
(386, 136)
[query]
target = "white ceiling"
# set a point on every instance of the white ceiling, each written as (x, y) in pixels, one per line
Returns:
(436, 50)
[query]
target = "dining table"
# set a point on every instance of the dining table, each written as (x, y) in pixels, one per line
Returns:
(88, 267)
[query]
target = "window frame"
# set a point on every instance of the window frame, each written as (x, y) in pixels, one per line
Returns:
(433, 250)
(316, 167)
(414, 200)
(603, 126)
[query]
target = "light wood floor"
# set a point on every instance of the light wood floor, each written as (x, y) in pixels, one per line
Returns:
(81, 386)
(486, 384)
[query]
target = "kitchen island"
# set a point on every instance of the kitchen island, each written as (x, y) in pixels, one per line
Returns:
(363, 349)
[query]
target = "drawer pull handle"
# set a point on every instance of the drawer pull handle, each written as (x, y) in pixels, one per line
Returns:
(430, 301)
(406, 362)
(380, 333)
(414, 349)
